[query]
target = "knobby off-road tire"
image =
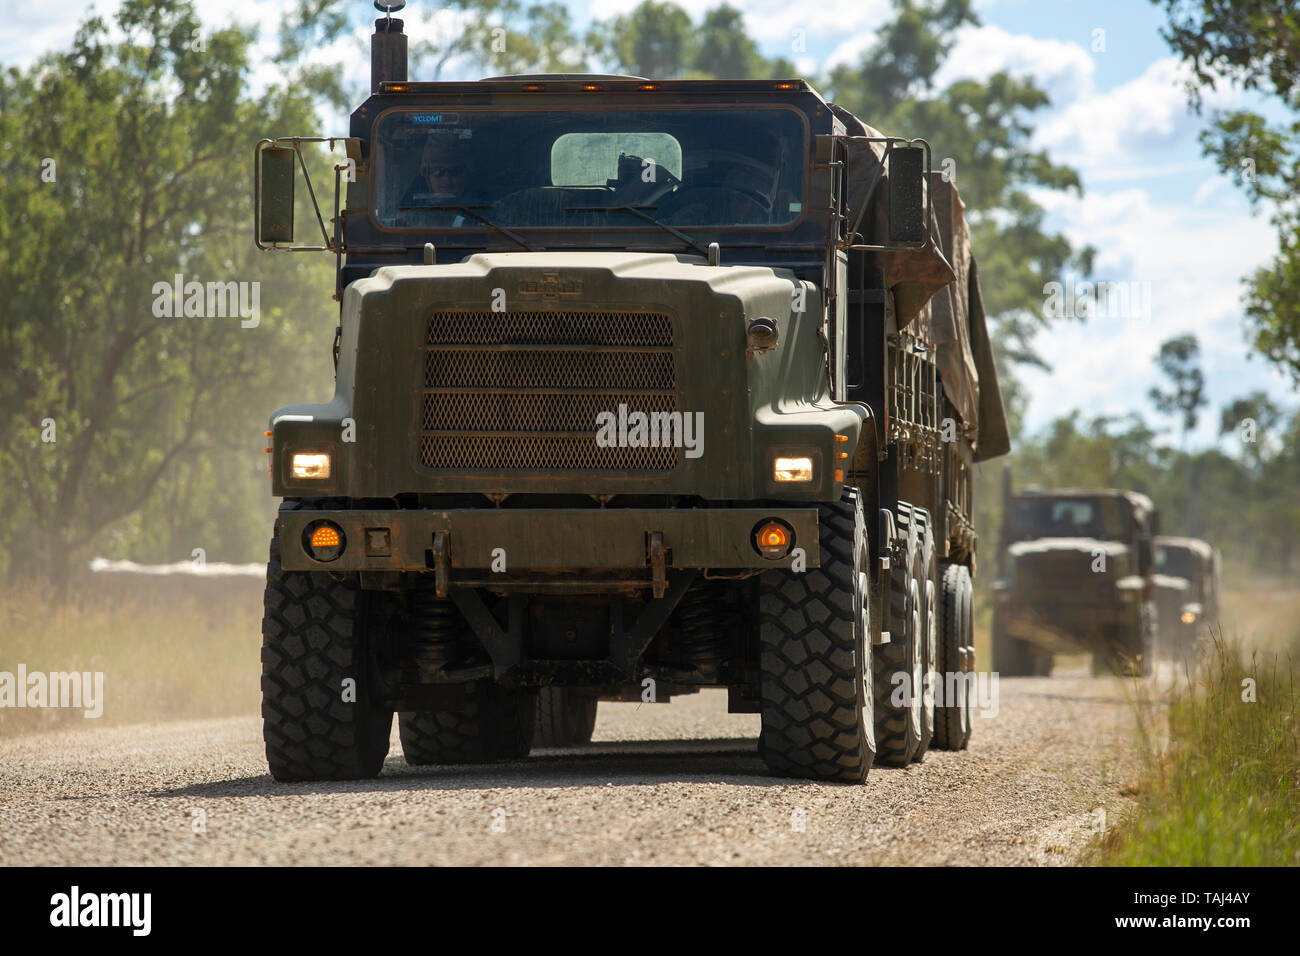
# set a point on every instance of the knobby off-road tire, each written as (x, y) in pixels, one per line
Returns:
(815, 656)
(564, 719)
(1126, 653)
(493, 723)
(929, 631)
(898, 664)
(316, 724)
(1013, 657)
(952, 726)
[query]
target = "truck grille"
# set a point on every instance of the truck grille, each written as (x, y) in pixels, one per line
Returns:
(511, 391)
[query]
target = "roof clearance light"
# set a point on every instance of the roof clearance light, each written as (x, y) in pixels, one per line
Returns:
(533, 87)
(649, 86)
(591, 87)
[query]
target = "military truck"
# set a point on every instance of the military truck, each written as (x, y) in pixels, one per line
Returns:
(642, 386)
(1075, 574)
(1187, 593)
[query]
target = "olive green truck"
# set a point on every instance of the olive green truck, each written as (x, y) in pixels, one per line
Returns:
(642, 387)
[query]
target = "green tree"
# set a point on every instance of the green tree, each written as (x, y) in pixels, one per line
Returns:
(980, 133)
(1254, 46)
(1179, 360)
(131, 167)
(653, 40)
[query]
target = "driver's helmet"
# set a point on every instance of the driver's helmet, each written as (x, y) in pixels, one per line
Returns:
(444, 151)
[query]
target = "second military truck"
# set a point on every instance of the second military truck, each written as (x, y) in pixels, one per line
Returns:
(642, 387)
(1075, 575)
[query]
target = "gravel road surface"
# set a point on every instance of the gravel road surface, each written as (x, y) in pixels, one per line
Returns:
(677, 783)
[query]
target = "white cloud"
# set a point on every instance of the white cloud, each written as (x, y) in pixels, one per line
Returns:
(1193, 258)
(1147, 112)
(1063, 70)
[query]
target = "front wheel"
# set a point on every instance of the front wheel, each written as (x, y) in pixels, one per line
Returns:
(321, 716)
(815, 656)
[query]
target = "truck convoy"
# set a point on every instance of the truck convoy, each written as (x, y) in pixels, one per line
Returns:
(642, 386)
(1075, 573)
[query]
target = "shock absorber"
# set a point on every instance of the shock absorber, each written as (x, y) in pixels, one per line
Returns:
(703, 619)
(436, 630)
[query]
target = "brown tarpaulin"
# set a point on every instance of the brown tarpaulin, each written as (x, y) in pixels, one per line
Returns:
(938, 284)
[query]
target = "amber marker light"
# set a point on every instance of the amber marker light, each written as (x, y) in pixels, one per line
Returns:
(773, 538)
(325, 536)
(323, 540)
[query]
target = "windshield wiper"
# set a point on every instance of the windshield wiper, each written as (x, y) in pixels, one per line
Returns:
(469, 211)
(640, 211)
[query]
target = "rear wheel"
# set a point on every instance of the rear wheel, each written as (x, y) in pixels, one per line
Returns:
(899, 664)
(492, 723)
(815, 656)
(563, 718)
(929, 632)
(952, 726)
(322, 718)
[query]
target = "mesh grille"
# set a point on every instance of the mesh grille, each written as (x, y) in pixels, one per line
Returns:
(506, 391)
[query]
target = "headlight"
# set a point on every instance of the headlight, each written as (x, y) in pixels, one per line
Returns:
(313, 465)
(792, 469)
(1189, 617)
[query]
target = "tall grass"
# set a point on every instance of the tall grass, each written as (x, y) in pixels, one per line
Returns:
(1221, 785)
(168, 650)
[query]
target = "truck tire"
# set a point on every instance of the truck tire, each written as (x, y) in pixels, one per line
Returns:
(493, 723)
(1013, 657)
(563, 718)
(1129, 651)
(929, 632)
(898, 721)
(952, 726)
(815, 651)
(314, 641)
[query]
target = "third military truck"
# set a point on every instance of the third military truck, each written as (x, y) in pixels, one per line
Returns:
(642, 387)
(1076, 574)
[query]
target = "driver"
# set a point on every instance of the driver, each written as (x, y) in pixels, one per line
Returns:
(722, 189)
(441, 181)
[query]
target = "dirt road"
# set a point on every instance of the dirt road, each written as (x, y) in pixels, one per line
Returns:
(662, 784)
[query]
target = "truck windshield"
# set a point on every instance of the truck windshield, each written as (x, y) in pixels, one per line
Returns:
(1177, 562)
(588, 168)
(1102, 518)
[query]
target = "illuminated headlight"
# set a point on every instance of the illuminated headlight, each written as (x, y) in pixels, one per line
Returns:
(1189, 617)
(310, 465)
(792, 469)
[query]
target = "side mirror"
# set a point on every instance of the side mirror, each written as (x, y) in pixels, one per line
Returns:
(907, 199)
(274, 199)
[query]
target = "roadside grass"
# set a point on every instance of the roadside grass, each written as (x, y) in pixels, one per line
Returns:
(167, 651)
(1221, 778)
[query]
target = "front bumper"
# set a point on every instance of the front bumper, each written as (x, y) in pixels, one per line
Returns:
(504, 540)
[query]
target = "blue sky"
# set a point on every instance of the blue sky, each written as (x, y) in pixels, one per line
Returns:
(1157, 212)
